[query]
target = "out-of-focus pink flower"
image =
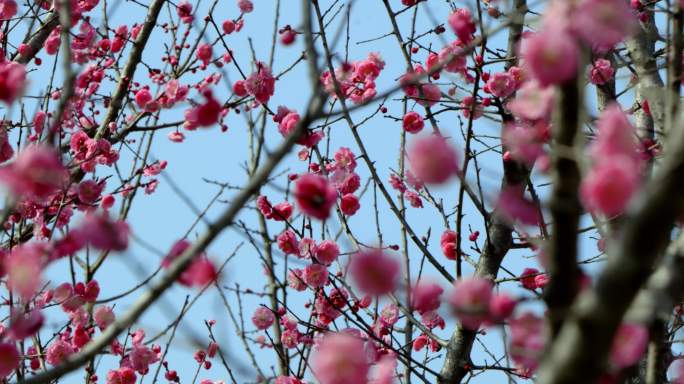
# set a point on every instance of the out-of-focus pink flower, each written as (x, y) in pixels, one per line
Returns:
(629, 345)
(527, 341)
(609, 186)
(36, 173)
(532, 102)
(603, 23)
(374, 272)
(98, 230)
(551, 56)
(433, 160)
(501, 307)
(9, 359)
(461, 22)
(425, 297)
(341, 359)
(12, 81)
(470, 301)
(24, 265)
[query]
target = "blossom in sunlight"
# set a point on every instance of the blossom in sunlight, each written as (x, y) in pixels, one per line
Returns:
(425, 297)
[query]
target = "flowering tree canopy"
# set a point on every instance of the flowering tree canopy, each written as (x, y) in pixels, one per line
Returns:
(341, 192)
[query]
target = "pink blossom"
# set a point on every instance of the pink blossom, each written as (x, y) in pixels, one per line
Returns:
(453, 58)
(36, 173)
(6, 150)
(527, 341)
(58, 351)
(24, 265)
(101, 232)
(414, 199)
(470, 301)
(263, 318)
(374, 272)
(104, 316)
(9, 359)
(295, 280)
(447, 243)
(603, 23)
(527, 278)
(290, 338)
(261, 83)
(201, 270)
(287, 242)
(601, 72)
(315, 196)
(326, 252)
(89, 191)
(501, 84)
(461, 22)
(341, 359)
(315, 275)
(389, 315)
(609, 187)
(204, 52)
(184, 10)
(245, 6)
(345, 159)
(501, 307)
(551, 56)
(524, 142)
(629, 345)
(513, 204)
(349, 204)
(425, 297)
(12, 81)
(532, 102)
(385, 370)
(413, 122)
(141, 357)
(143, 97)
(432, 159)
(8, 9)
(123, 375)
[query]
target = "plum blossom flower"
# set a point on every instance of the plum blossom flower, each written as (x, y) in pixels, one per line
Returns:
(470, 301)
(263, 318)
(601, 72)
(461, 22)
(413, 122)
(448, 244)
(551, 56)
(501, 84)
(349, 204)
(425, 297)
(603, 23)
(326, 252)
(9, 359)
(532, 102)
(36, 173)
(315, 275)
(58, 351)
(629, 345)
(374, 272)
(315, 196)
(341, 359)
(432, 159)
(24, 265)
(261, 83)
(527, 341)
(12, 81)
